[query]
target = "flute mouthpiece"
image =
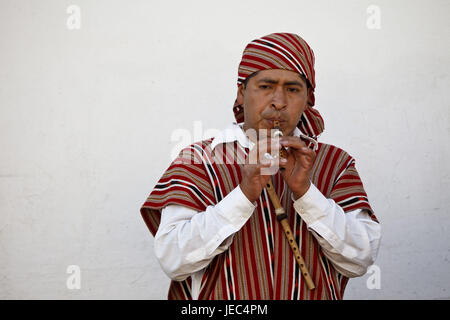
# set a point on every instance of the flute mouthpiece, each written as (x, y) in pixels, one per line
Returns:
(277, 134)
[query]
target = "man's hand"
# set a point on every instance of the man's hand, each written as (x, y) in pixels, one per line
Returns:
(299, 164)
(257, 169)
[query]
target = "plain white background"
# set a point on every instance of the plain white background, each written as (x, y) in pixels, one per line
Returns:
(87, 115)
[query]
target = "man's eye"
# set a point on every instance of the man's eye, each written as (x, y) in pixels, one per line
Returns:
(293, 90)
(263, 86)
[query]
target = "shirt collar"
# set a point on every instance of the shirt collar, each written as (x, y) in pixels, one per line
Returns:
(235, 132)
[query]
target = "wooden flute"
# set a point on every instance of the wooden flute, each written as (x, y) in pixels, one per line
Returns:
(282, 218)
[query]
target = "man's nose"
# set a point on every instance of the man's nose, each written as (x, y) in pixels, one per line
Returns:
(279, 99)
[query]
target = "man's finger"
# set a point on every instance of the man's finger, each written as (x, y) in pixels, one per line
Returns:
(292, 142)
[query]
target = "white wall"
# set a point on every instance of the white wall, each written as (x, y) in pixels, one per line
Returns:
(86, 118)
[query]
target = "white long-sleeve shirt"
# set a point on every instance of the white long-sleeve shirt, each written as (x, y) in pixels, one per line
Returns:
(188, 240)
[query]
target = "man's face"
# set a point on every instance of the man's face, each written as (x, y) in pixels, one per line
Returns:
(273, 94)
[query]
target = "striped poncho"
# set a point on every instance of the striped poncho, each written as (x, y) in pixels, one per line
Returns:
(259, 263)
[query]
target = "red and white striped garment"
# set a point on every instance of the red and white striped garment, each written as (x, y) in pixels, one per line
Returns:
(259, 263)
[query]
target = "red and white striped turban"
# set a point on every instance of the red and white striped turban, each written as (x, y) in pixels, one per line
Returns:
(285, 51)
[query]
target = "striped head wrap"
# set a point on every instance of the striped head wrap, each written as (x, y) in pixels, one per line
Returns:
(285, 51)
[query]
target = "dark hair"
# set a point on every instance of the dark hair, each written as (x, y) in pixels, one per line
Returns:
(248, 78)
(308, 85)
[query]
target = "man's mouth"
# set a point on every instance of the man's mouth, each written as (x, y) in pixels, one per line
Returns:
(270, 123)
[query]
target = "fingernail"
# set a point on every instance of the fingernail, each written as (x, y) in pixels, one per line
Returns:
(268, 156)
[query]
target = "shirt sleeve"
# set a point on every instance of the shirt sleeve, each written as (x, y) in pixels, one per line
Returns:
(188, 240)
(349, 240)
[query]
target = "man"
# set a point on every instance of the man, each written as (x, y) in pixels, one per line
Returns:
(216, 232)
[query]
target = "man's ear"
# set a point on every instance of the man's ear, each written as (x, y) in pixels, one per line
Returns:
(240, 94)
